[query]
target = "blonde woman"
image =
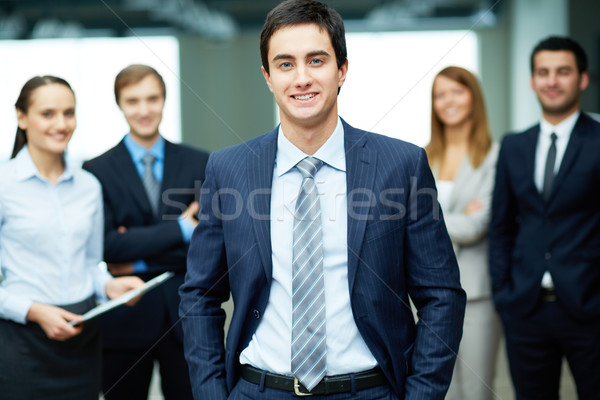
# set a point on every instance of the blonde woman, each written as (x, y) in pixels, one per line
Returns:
(463, 159)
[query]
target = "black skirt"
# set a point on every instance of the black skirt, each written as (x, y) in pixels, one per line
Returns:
(35, 367)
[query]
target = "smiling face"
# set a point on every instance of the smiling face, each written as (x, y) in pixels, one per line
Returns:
(558, 84)
(452, 102)
(142, 105)
(304, 78)
(49, 121)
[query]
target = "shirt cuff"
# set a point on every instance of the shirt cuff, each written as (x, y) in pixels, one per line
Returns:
(140, 266)
(16, 309)
(101, 278)
(187, 229)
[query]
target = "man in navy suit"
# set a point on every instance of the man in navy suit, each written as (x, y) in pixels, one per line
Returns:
(147, 232)
(382, 241)
(545, 233)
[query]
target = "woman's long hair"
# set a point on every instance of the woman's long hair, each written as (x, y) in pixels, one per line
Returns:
(24, 101)
(480, 140)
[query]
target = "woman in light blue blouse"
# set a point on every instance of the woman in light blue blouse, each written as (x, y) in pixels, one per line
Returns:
(51, 232)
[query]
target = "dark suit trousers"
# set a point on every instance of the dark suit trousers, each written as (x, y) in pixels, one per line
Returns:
(127, 372)
(245, 390)
(536, 345)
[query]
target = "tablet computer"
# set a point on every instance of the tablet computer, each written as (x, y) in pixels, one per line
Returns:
(124, 298)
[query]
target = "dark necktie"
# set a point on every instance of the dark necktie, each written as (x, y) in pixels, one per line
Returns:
(549, 171)
(308, 287)
(151, 185)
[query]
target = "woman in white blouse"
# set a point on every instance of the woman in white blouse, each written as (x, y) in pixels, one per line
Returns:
(463, 157)
(51, 241)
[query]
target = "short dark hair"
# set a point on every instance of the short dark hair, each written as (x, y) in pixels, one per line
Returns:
(558, 43)
(296, 12)
(24, 101)
(133, 74)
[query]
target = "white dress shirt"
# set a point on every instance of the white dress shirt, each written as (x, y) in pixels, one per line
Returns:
(270, 346)
(563, 134)
(51, 237)
(444, 189)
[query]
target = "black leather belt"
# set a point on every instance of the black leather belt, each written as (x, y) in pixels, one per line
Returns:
(548, 294)
(329, 385)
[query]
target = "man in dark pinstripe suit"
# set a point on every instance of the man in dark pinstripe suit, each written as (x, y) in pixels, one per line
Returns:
(383, 240)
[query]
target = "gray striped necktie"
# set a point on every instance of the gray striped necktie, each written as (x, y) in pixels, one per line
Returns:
(308, 288)
(151, 185)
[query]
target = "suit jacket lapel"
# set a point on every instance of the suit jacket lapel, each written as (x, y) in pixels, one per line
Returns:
(575, 142)
(260, 164)
(124, 167)
(527, 158)
(171, 168)
(360, 175)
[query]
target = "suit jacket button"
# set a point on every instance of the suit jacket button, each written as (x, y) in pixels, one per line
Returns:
(256, 314)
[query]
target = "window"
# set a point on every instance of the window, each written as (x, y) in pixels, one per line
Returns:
(90, 66)
(390, 75)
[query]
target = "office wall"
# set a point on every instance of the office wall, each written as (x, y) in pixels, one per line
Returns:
(494, 75)
(529, 22)
(224, 98)
(505, 50)
(584, 28)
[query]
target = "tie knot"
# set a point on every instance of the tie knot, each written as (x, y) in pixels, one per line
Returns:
(309, 166)
(148, 159)
(553, 137)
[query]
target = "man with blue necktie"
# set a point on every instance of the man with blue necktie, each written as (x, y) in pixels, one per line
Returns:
(150, 187)
(321, 232)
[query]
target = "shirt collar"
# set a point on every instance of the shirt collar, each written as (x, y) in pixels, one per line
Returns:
(563, 129)
(26, 168)
(332, 152)
(137, 151)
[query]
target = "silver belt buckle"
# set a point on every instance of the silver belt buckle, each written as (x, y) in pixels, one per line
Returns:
(297, 389)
